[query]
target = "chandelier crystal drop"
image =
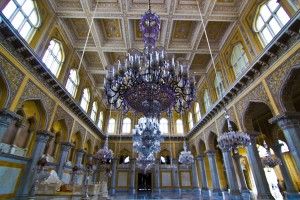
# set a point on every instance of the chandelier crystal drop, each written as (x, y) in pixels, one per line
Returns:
(147, 137)
(270, 161)
(186, 156)
(232, 140)
(149, 82)
(145, 163)
(105, 153)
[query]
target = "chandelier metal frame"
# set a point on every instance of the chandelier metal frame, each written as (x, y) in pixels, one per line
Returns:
(186, 156)
(149, 82)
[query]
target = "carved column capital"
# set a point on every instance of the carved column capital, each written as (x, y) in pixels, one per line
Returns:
(286, 119)
(80, 152)
(210, 152)
(66, 146)
(200, 157)
(6, 116)
(43, 135)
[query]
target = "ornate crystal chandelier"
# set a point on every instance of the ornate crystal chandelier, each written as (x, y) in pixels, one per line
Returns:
(232, 140)
(144, 163)
(270, 161)
(105, 153)
(185, 156)
(151, 81)
(147, 137)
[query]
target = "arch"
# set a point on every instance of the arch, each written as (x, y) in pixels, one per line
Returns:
(288, 88)
(4, 90)
(252, 108)
(165, 157)
(211, 141)
(201, 146)
(88, 146)
(124, 153)
(61, 126)
(193, 150)
(77, 139)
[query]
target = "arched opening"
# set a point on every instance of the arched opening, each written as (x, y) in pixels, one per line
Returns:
(165, 157)
(124, 157)
(4, 95)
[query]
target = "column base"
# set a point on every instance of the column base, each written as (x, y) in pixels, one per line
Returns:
(204, 192)
(85, 198)
(156, 190)
(246, 194)
(291, 195)
(177, 190)
(265, 196)
(113, 191)
(236, 197)
(132, 191)
(217, 194)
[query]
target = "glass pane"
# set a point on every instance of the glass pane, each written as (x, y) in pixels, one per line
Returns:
(55, 49)
(16, 22)
(267, 35)
(54, 68)
(28, 7)
(284, 18)
(20, 2)
(25, 30)
(49, 61)
(9, 9)
(265, 13)
(259, 23)
(59, 56)
(45, 56)
(274, 26)
(273, 5)
(33, 18)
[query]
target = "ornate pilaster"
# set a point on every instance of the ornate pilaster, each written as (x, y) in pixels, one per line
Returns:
(64, 150)
(204, 188)
(6, 118)
(132, 176)
(289, 122)
(211, 154)
(263, 190)
(236, 158)
(231, 175)
(175, 175)
(79, 156)
(113, 176)
(290, 188)
(157, 176)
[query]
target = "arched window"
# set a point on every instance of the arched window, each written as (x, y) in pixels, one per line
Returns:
(126, 125)
(100, 121)
(24, 16)
(197, 111)
(206, 100)
(219, 86)
(284, 147)
(239, 60)
(179, 126)
(269, 20)
(190, 119)
(85, 100)
(94, 111)
(163, 126)
(73, 82)
(54, 57)
(111, 125)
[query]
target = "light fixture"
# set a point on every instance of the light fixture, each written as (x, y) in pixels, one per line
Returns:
(150, 82)
(147, 137)
(144, 163)
(186, 156)
(104, 154)
(270, 161)
(232, 140)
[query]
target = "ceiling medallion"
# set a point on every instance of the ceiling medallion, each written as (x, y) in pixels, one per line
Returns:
(149, 82)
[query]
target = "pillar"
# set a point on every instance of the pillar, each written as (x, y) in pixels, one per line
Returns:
(231, 175)
(114, 175)
(289, 122)
(14, 146)
(29, 174)
(290, 188)
(6, 118)
(132, 176)
(90, 157)
(95, 175)
(204, 188)
(195, 182)
(79, 156)
(236, 158)
(175, 175)
(263, 190)
(157, 176)
(211, 154)
(64, 150)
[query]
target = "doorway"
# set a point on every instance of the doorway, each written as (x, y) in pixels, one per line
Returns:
(144, 182)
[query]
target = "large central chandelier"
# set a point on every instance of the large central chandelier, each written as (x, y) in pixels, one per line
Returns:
(270, 161)
(104, 154)
(145, 163)
(147, 137)
(186, 156)
(232, 140)
(149, 82)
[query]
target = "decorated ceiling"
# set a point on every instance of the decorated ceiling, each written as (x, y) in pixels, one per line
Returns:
(115, 29)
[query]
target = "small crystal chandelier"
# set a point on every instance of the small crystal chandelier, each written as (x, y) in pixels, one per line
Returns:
(270, 161)
(232, 140)
(151, 81)
(185, 156)
(144, 163)
(105, 153)
(147, 137)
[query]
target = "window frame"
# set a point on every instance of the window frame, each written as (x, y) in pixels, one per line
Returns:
(206, 100)
(179, 126)
(72, 85)
(238, 54)
(190, 120)
(219, 84)
(126, 126)
(111, 125)
(164, 127)
(86, 100)
(94, 111)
